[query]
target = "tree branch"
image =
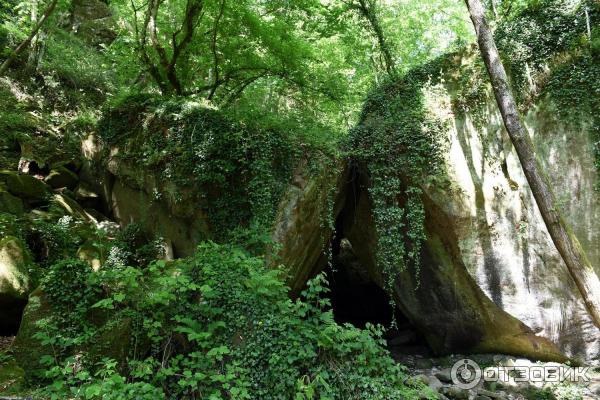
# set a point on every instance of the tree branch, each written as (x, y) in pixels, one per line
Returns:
(25, 43)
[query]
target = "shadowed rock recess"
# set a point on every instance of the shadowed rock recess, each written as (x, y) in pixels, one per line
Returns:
(447, 307)
(491, 279)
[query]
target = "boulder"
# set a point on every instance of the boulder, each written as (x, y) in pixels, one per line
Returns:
(92, 20)
(92, 254)
(111, 340)
(15, 282)
(61, 177)
(72, 208)
(445, 304)
(482, 213)
(10, 204)
(86, 195)
(26, 186)
(184, 229)
(444, 376)
(433, 382)
(26, 349)
(456, 393)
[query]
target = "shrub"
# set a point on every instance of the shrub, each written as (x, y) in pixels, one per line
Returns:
(221, 325)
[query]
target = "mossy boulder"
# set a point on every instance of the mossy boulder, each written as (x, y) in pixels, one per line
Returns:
(15, 262)
(26, 186)
(112, 338)
(72, 208)
(10, 204)
(15, 281)
(26, 349)
(112, 341)
(61, 177)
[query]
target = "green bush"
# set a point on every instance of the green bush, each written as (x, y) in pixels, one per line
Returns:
(214, 326)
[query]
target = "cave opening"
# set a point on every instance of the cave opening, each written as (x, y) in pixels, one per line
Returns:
(12, 312)
(356, 298)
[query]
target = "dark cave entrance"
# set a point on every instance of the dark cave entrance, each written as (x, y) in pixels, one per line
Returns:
(12, 312)
(356, 298)
(356, 301)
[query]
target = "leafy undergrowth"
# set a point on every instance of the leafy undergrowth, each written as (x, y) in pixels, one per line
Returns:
(213, 326)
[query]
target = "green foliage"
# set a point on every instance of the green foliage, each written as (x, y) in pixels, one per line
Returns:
(70, 65)
(52, 241)
(217, 325)
(550, 33)
(576, 90)
(239, 166)
(396, 123)
(66, 285)
(10, 225)
(540, 32)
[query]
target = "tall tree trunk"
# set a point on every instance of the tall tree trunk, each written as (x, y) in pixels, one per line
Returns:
(368, 10)
(565, 241)
(25, 43)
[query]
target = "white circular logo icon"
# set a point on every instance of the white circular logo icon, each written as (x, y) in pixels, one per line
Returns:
(465, 374)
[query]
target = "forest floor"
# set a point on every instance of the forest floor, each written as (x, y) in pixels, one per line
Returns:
(5, 342)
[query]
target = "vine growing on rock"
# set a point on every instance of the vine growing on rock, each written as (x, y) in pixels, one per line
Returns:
(245, 339)
(398, 146)
(551, 54)
(238, 166)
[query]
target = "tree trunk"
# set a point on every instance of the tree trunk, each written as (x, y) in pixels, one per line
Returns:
(367, 9)
(565, 241)
(25, 43)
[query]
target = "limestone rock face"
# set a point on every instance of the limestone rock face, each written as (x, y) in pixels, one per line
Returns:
(444, 302)
(491, 279)
(303, 226)
(502, 238)
(161, 209)
(15, 283)
(184, 227)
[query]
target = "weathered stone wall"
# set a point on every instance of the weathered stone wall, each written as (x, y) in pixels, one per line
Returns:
(503, 239)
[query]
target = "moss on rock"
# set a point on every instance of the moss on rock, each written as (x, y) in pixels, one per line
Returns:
(12, 378)
(10, 204)
(26, 349)
(26, 186)
(62, 177)
(15, 262)
(15, 282)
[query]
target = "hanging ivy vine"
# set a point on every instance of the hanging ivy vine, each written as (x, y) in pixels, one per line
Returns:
(398, 145)
(237, 167)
